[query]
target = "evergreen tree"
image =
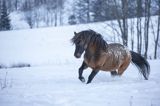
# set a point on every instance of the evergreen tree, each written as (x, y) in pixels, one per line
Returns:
(5, 21)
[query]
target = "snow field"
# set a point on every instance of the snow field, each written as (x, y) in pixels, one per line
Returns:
(58, 85)
(52, 79)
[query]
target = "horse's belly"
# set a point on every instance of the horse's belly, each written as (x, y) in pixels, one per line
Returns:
(103, 64)
(109, 67)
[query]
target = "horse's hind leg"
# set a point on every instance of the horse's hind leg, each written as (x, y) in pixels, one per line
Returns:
(92, 75)
(123, 67)
(80, 72)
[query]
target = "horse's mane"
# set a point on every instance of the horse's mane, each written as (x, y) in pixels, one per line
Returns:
(90, 36)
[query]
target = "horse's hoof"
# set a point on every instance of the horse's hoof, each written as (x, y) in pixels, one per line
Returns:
(88, 82)
(82, 79)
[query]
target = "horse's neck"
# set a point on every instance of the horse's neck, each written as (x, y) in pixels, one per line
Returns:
(91, 52)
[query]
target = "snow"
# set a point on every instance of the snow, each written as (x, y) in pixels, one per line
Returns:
(52, 79)
(58, 85)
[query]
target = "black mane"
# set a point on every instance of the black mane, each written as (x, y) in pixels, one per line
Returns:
(90, 36)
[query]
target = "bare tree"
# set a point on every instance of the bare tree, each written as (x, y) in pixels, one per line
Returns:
(158, 30)
(61, 7)
(139, 26)
(56, 13)
(88, 12)
(146, 26)
(132, 33)
(122, 20)
(125, 21)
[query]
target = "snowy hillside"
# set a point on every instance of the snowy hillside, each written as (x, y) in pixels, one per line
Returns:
(41, 46)
(52, 45)
(52, 79)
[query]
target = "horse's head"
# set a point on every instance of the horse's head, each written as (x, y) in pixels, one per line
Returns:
(80, 44)
(88, 39)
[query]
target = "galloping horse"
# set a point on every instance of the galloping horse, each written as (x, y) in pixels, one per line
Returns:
(99, 55)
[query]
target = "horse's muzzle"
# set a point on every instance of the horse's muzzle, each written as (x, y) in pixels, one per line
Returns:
(77, 55)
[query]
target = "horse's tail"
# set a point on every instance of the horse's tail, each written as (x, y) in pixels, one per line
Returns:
(141, 63)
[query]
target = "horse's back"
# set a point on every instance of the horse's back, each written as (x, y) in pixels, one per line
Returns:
(117, 49)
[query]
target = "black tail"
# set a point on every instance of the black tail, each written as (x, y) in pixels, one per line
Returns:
(141, 63)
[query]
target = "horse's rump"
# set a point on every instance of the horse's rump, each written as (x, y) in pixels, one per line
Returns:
(116, 55)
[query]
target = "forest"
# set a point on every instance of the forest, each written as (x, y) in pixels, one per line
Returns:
(134, 13)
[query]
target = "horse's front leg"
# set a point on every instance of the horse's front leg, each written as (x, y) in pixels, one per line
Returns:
(114, 73)
(92, 75)
(80, 72)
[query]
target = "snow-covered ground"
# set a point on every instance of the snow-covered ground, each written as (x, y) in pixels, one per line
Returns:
(58, 85)
(52, 79)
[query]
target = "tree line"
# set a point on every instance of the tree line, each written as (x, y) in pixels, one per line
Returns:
(36, 12)
(53, 13)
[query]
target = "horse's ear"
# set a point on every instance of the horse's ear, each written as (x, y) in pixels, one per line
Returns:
(75, 33)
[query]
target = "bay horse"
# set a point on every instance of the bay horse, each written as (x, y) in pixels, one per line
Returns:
(99, 55)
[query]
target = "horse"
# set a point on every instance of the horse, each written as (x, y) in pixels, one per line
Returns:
(99, 55)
